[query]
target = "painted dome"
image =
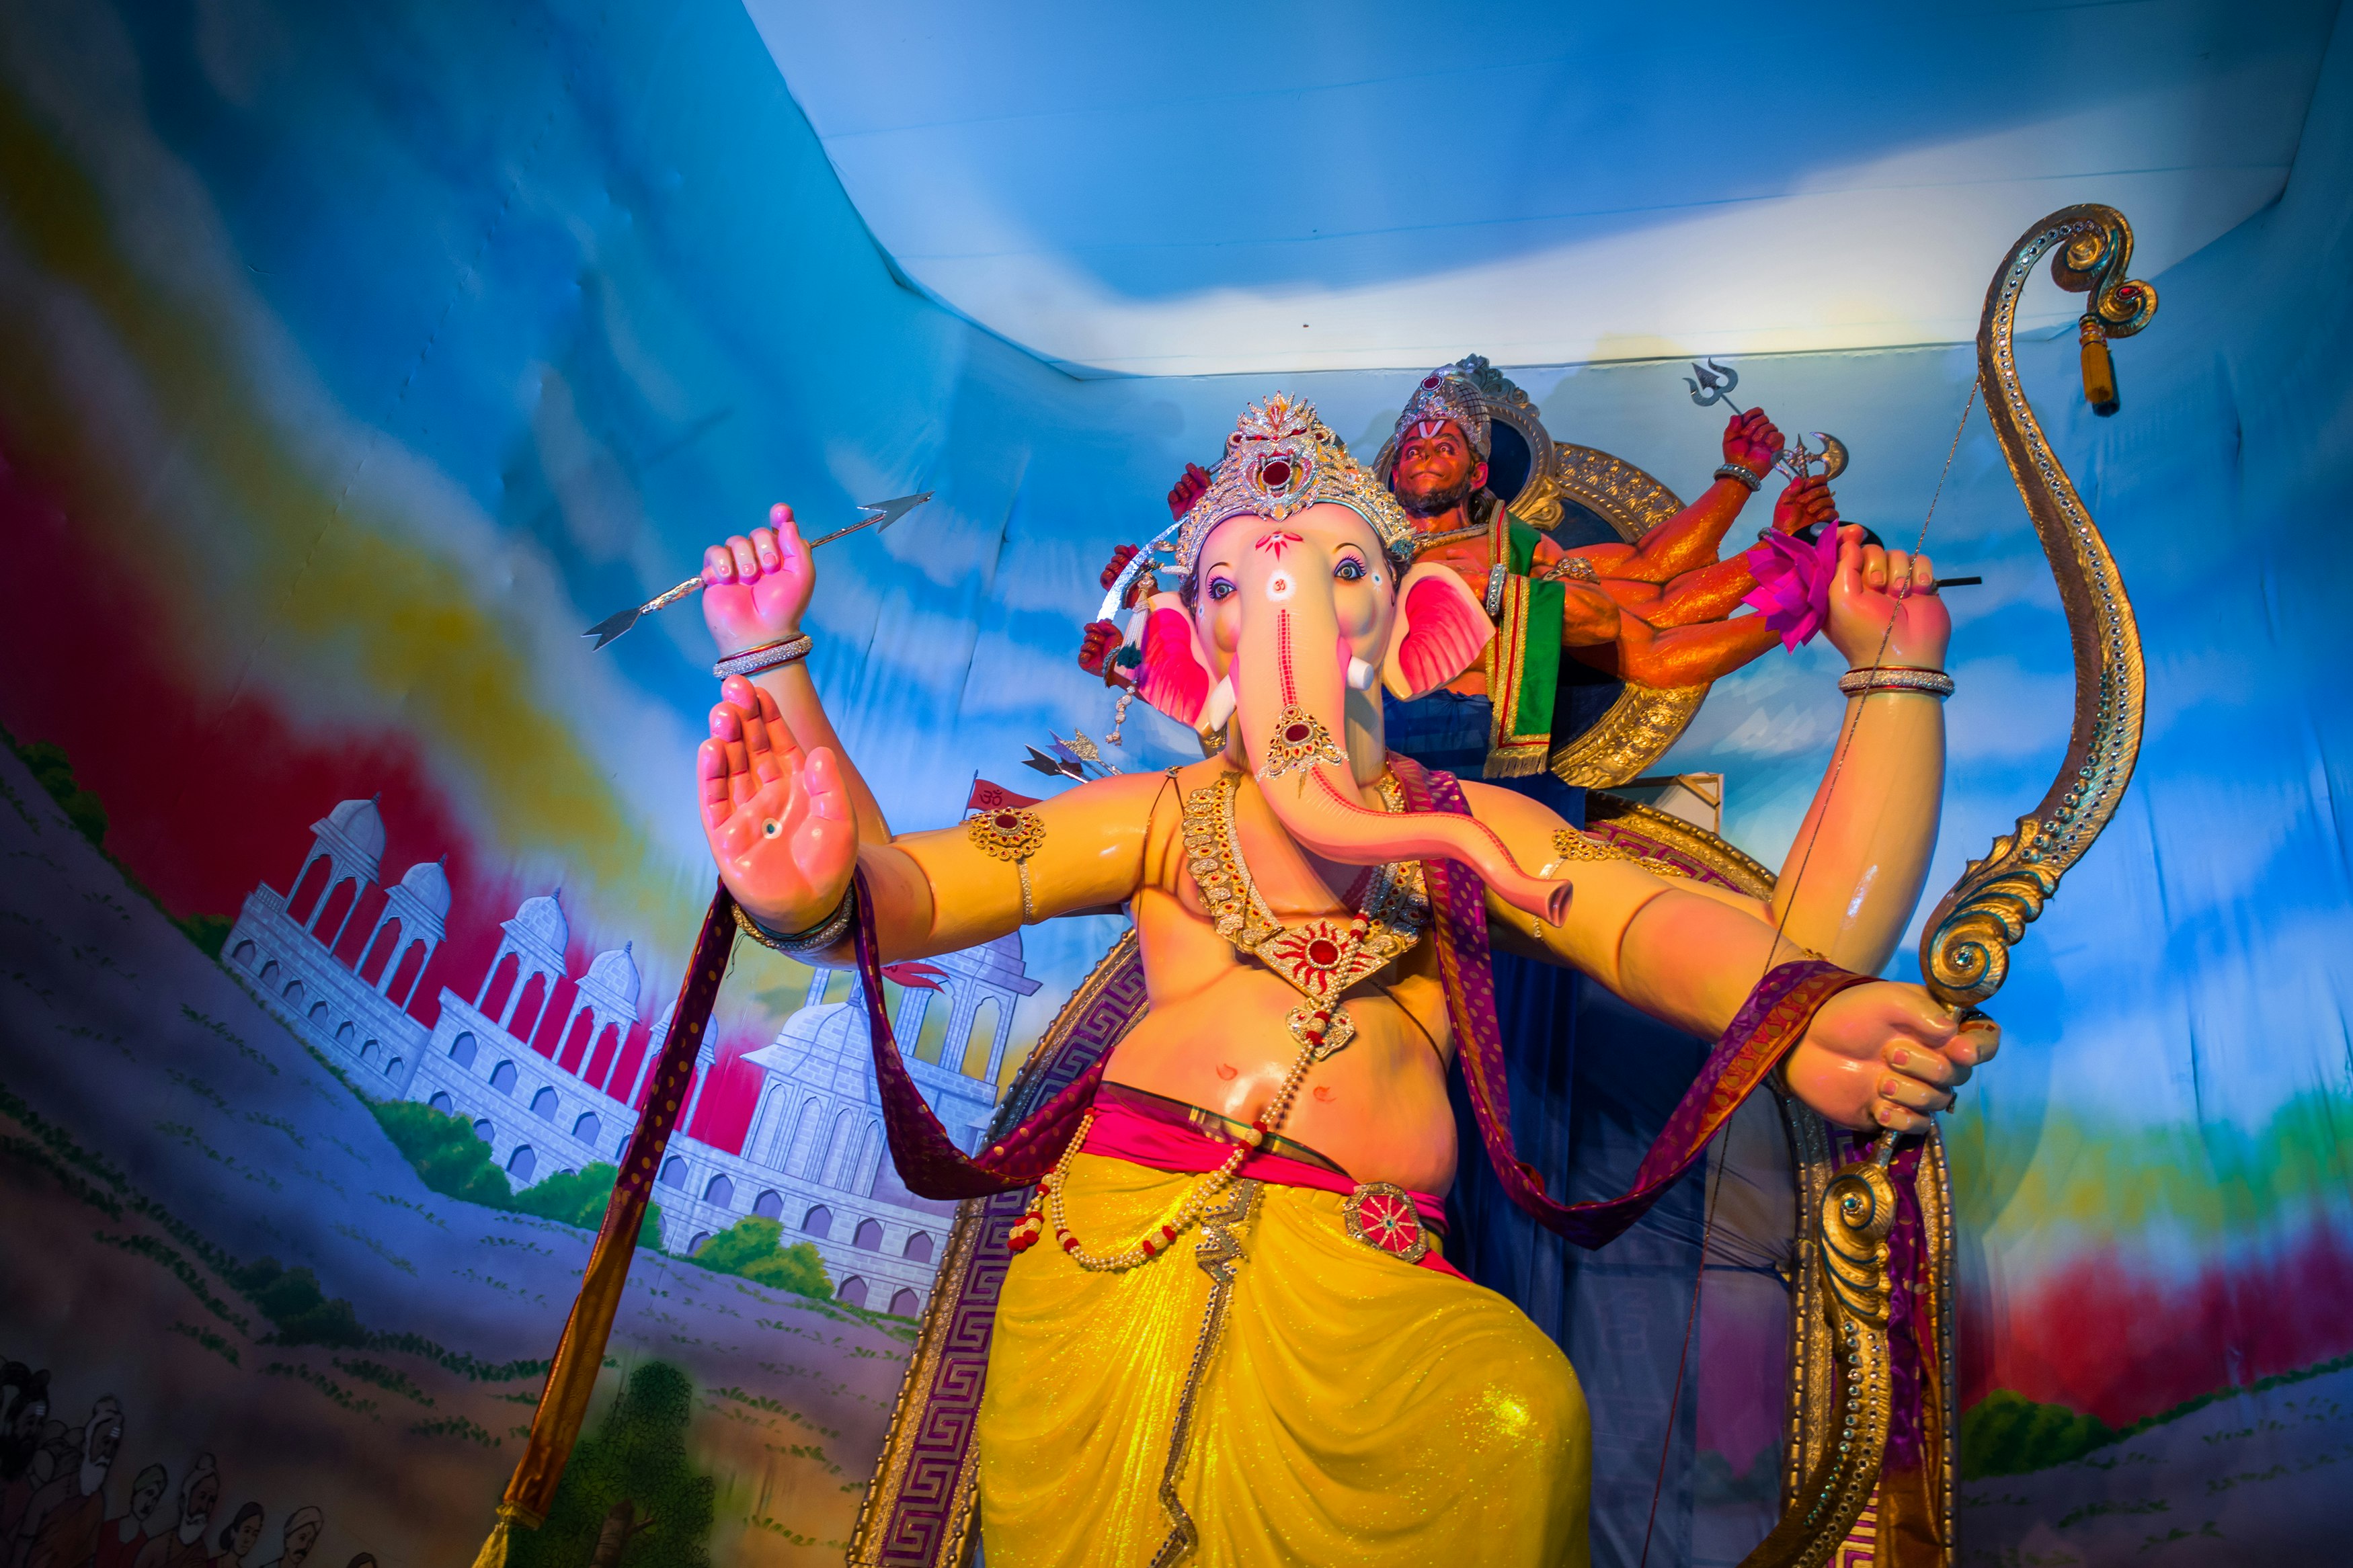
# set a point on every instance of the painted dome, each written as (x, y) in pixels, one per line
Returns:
(360, 826)
(429, 887)
(615, 973)
(825, 1044)
(542, 917)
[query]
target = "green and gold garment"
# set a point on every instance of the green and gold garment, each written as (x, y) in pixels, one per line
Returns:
(1524, 660)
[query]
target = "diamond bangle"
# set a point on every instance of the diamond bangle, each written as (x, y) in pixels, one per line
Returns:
(1895, 677)
(767, 656)
(1743, 473)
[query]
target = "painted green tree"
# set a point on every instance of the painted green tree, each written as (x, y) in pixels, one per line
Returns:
(452, 1161)
(751, 1247)
(637, 1452)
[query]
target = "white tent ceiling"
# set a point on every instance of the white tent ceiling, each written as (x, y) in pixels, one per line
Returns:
(1231, 187)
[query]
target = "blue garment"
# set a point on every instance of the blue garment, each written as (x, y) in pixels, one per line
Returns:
(1583, 1118)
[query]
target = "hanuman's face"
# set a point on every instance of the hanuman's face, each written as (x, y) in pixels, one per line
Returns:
(1434, 462)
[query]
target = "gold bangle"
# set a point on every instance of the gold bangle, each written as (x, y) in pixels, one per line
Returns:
(826, 933)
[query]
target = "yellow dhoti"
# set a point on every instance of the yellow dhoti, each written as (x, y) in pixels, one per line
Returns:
(1351, 1407)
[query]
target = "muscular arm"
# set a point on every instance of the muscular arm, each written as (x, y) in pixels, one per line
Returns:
(1685, 542)
(1679, 655)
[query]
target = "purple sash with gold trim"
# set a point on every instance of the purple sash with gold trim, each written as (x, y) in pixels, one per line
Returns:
(1769, 1024)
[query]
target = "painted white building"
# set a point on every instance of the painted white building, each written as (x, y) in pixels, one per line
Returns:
(813, 1158)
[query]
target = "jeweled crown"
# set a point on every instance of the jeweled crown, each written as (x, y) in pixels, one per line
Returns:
(1282, 459)
(1446, 393)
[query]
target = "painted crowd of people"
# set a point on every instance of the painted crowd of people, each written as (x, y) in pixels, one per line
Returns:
(53, 1498)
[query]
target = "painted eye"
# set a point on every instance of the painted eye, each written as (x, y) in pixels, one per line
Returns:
(1221, 588)
(1350, 570)
(771, 827)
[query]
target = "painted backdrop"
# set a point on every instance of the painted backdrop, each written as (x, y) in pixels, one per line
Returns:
(355, 357)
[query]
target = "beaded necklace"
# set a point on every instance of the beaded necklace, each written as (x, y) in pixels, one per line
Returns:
(1320, 958)
(1422, 541)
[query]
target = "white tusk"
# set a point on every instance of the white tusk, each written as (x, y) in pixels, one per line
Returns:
(1361, 675)
(1219, 707)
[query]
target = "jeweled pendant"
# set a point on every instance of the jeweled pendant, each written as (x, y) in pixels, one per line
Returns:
(1300, 741)
(1338, 1030)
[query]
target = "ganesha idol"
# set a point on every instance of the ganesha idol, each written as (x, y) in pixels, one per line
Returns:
(1226, 1329)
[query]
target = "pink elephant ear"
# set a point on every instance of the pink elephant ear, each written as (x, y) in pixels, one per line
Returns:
(1174, 677)
(1440, 632)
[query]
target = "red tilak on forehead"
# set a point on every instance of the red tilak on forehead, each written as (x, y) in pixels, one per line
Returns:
(1429, 430)
(1277, 540)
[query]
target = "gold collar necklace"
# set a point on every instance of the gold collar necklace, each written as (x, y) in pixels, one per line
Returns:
(1320, 957)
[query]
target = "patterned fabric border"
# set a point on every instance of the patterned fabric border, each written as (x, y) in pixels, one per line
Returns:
(1767, 1025)
(1645, 848)
(920, 1511)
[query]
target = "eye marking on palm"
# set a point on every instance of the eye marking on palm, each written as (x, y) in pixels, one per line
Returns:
(779, 823)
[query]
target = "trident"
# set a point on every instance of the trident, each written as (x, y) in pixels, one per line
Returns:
(1797, 459)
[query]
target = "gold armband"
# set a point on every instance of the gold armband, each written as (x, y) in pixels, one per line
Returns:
(1010, 834)
(1570, 569)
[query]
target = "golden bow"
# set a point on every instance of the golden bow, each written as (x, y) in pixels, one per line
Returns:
(1965, 948)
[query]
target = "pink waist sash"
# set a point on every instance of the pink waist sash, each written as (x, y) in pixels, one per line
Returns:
(1155, 1132)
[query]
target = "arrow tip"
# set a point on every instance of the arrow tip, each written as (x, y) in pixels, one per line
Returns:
(612, 627)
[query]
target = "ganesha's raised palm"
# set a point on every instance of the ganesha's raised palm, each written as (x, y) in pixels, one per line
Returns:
(780, 823)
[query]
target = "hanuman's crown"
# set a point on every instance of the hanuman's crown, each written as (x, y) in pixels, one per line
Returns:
(1282, 459)
(1448, 394)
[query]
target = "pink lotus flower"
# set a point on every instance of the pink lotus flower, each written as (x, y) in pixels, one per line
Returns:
(1793, 583)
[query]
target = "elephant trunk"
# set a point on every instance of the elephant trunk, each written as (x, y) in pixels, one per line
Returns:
(1291, 714)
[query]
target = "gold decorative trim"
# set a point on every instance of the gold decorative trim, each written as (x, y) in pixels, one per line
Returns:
(1626, 498)
(1684, 838)
(1812, 1375)
(1007, 833)
(866, 1545)
(1857, 1210)
(1933, 1185)
(1623, 743)
(1964, 945)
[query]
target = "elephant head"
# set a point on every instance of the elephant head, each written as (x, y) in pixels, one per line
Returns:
(1285, 625)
